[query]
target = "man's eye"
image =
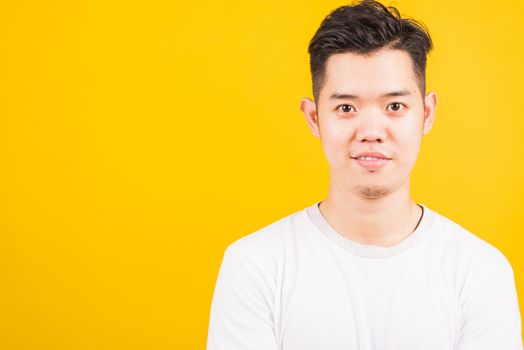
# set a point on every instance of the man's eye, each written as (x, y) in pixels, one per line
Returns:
(396, 106)
(346, 108)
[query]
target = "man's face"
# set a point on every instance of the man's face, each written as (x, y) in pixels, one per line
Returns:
(370, 104)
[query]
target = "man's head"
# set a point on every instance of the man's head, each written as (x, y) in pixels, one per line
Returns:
(365, 28)
(368, 69)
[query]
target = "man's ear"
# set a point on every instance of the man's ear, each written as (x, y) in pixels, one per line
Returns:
(308, 107)
(430, 106)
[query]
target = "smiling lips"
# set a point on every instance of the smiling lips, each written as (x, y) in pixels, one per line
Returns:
(371, 160)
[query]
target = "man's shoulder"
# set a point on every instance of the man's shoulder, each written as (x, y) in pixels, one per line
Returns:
(270, 239)
(467, 246)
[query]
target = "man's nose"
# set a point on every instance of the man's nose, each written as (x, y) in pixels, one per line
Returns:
(371, 128)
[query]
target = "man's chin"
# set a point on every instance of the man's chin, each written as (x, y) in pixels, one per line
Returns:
(372, 191)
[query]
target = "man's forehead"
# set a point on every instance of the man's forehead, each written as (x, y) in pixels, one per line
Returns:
(384, 73)
(373, 56)
(382, 64)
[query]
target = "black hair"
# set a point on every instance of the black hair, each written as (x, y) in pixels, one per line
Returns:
(365, 27)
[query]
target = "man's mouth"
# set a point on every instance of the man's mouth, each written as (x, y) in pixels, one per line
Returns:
(368, 158)
(371, 160)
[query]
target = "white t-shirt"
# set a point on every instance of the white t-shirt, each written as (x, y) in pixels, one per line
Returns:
(297, 284)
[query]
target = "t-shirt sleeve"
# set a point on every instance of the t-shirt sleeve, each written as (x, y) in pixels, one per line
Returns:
(490, 312)
(241, 310)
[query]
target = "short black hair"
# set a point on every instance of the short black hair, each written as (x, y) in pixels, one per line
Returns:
(365, 27)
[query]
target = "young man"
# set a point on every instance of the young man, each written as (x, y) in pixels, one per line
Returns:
(367, 267)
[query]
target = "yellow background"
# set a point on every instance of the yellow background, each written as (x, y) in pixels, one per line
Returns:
(139, 139)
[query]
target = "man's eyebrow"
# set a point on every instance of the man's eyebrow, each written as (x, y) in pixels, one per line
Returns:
(343, 96)
(397, 93)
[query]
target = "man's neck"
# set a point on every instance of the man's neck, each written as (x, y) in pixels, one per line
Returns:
(381, 222)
